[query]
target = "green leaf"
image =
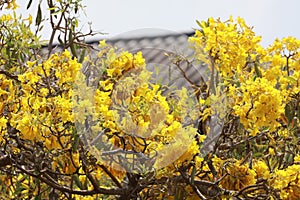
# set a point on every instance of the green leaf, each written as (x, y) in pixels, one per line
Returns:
(7, 51)
(72, 45)
(207, 23)
(199, 23)
(82, 55)
(176, 195)
(193, 175)
(77, 181)
(292, 79)
(85, 185)
(75, 143)
(288, 113)
(257, 71)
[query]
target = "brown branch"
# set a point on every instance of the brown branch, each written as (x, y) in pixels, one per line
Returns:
(54, 29)
(114, 179)
(8, 75)
(46, 178)
(188, 180)
(184, 74)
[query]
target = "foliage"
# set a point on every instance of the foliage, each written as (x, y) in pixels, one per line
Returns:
(77, 127)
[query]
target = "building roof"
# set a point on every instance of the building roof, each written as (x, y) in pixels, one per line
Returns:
(152, 46)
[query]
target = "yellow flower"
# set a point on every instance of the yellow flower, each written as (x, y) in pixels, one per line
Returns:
(284, 133)
(102, 43)
(228, 43)
(239, 176)
(32, 78)
(258, 104)
(6, 17)
(110, 72)
(44, 91)
(3, 122)
(297, 159)
(107, 85)
(287, 181)
(29, 19)
(11, 4)
(28, 127)
(261, 169)
(138, 60)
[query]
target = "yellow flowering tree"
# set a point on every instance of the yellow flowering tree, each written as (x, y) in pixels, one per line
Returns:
(73, 126)
(259, 141)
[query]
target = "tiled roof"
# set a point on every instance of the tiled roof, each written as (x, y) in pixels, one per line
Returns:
(152, 45)
(155, 48)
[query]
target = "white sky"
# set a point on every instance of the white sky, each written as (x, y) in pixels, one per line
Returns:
(270, 18)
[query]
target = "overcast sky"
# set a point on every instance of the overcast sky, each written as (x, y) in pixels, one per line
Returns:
(270, 18)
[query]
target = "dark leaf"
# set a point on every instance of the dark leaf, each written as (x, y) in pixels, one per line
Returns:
(199, 23)
(72, 45)
(60, 41)
(38, 18)
(29, 4)
(76, 7)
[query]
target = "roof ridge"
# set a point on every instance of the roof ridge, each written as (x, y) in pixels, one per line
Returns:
(139, 38)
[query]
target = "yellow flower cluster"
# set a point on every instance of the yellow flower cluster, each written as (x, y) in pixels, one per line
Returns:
(133, 108)
(116, 66)
(259, 104)
(123, 62)
(44, 103)
(239, 176)
(261, 169)
(228, 44)
(6, 17)
(262, 86)
(287, 182)
(260, 81)
(7, 98)
(284, 57)
(48, 104)
(69, 161)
